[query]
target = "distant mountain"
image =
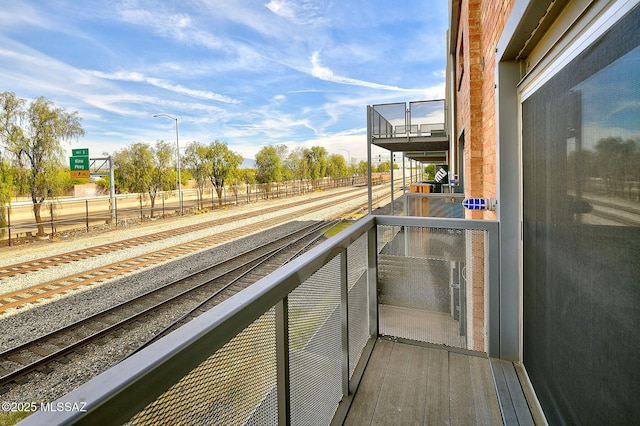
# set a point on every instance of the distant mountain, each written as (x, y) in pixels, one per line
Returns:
(248, 163)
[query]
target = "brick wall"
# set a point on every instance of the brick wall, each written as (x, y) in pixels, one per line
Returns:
(493, 16)
(481, 23)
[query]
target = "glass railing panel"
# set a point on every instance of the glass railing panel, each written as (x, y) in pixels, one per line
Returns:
(427, 118)
(389, 120)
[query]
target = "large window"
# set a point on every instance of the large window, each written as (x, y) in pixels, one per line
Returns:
(581, 249)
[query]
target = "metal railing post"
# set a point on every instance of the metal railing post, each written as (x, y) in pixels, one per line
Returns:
(53, 231)
(283, 377)
(344, 314)
(372, 278)
(497, 343)
(9, 223)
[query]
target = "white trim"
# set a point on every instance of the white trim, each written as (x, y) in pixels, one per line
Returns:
(592, 31)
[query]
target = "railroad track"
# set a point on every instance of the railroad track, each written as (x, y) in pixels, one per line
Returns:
(181, 299)
(44, 291)
(76, 255)
(277, 258)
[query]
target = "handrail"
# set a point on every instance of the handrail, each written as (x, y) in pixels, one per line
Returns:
(121, 392)
(147, 374)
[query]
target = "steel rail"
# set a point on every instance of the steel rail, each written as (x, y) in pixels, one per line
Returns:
(128, 319)
(41, 263)
(203, 305)
(46, 290)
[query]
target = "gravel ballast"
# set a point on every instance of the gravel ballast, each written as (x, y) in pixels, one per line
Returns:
(21, 325)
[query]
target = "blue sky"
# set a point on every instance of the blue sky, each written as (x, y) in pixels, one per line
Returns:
(247, 72)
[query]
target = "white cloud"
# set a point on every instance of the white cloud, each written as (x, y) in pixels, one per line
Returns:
(300, 12)
(163, 84)
(251, 72)
(324, 73)
(177, 26)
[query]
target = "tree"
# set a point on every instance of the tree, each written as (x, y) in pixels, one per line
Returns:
(283, 151)
(337, 166)
(10, 107)
(6, 192)
(429, 172)
(33, 136)
(198, 166)
(246, 176)
(141, 168)
(269, 167)
(618, 162)
(362, 168)
(222, 162)
(383, 167)
(104, 183)
(297, 164)
(316, 159)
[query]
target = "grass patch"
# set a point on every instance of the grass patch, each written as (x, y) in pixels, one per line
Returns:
(11, 418)
(336, 229)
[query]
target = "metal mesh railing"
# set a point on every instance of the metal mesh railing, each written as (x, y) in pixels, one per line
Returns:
(287, 349)
(358, 312)
(234, 386)
(425, 291)
(315, 347)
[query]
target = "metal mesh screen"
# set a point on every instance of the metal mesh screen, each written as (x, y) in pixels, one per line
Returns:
(315, 351)
(425, 290)
(236, 385)
(581, 226)
(358, 301)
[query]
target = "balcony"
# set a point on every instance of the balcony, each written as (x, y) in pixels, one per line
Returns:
(385, 319)
(415, 135)
(418, 129)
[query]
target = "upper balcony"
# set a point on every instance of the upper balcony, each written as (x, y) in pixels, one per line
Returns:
(418, 129)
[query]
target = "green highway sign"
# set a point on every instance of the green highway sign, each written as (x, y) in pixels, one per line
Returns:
(79, 163)
(81, 152)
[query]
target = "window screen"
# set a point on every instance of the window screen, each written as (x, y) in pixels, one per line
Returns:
(581, 194)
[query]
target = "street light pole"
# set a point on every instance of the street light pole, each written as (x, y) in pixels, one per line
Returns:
(178, 178)
(348, 154)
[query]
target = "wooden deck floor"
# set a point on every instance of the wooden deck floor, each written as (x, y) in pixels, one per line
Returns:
(406, 384)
